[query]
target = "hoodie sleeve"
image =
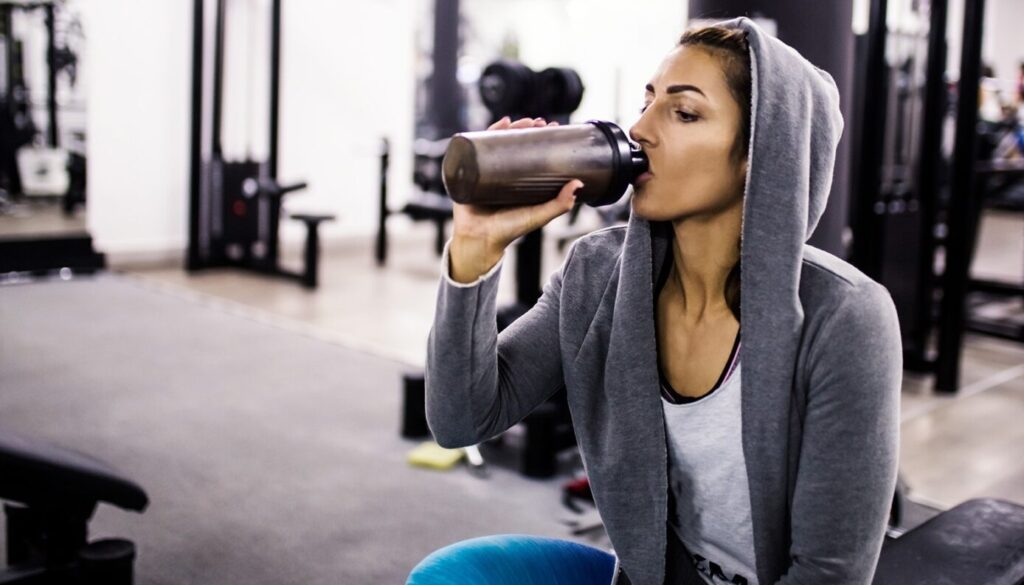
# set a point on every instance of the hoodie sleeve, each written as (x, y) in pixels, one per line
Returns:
(480, 383)
(848, 462)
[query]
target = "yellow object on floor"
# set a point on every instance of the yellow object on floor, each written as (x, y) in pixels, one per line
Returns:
(434, 456)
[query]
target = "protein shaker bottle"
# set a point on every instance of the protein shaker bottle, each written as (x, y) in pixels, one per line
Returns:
(529, 166)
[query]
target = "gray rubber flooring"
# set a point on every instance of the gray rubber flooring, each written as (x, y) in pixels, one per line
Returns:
(269, 456)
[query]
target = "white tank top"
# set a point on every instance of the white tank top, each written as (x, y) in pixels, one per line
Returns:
(708, 479)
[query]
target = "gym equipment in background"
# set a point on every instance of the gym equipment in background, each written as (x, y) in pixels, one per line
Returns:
(235, 205)
(914, 202)
(510, 88)
(428, 202)
(506, 88)
(50, 494)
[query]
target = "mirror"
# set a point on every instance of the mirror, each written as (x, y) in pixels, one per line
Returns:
(42, 120)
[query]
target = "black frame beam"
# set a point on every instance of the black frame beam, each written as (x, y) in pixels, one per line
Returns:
(929, 170)
(194, 259)
(867, 225)
(445, 100)
(274, 211)
(52, 134)
(964, 206)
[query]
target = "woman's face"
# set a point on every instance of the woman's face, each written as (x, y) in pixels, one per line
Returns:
(688, 128)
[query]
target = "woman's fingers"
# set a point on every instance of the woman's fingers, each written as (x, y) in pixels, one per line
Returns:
(543, 213)
(522, 123)
(500, 124)
(506, 123)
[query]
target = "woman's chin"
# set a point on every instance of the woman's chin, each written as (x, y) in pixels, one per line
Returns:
(644, 208)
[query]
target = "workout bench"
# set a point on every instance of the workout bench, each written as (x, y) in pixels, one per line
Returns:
(49, 495)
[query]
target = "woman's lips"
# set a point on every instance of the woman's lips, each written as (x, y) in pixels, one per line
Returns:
(643, 178)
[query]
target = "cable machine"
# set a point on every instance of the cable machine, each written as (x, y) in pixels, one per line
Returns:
(235, 205)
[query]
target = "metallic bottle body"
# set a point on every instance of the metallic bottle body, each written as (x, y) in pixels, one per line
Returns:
(529, 166)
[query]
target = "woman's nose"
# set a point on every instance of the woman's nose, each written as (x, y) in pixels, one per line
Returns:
(638, 133)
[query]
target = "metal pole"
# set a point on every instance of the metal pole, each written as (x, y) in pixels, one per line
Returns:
(218, 79)
(7, 31)
(194, 259)
(51, 76)
(275, 86)
(529, 252)
(6, 28)
(445, 95)
(867, 224)
(958, 244)
(272, 156)
(928, 180)
(381, 248)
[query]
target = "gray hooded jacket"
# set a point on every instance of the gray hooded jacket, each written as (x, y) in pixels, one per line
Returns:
(821, 358)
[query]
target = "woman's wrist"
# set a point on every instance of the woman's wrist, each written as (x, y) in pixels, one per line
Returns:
(470, 258)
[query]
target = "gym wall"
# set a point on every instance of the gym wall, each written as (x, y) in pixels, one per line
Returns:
(346, 82)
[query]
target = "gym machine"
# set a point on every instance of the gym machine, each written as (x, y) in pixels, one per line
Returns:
(913, 204)
(17, 126)
(235, 205)
(50, 493)
(428, 202)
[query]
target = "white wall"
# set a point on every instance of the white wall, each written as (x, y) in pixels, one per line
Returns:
(346, 82)
(137, 123)
(1003, 44)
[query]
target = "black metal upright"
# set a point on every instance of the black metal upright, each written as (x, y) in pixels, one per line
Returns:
(867, 237)
(7, 31)
(274, 209)
(381, 245)
(962, 204)
(445, 101)
(275, 87)
(193, 259)
(51, 76)
(917, 330)
(217, 150)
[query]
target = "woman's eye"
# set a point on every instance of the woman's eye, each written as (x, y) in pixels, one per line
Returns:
(644, 107)
(686, 116)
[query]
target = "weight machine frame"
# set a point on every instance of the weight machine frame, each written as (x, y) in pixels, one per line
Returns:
(235, 206)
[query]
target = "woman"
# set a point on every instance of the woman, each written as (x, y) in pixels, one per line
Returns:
(784, 478)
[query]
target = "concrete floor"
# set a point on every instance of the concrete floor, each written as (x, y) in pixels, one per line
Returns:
(953, 447)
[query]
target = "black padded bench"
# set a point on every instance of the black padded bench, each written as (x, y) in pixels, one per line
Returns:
(49, 495)
(979, 542)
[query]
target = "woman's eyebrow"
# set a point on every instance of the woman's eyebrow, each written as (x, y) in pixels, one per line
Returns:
(677, 89)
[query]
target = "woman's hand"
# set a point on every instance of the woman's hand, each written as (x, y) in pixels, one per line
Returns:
(480, 234)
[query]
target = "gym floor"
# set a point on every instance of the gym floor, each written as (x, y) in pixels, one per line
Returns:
(39, 216)
(947, 455)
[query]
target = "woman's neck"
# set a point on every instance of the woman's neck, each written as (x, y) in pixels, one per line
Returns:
(705, 251)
